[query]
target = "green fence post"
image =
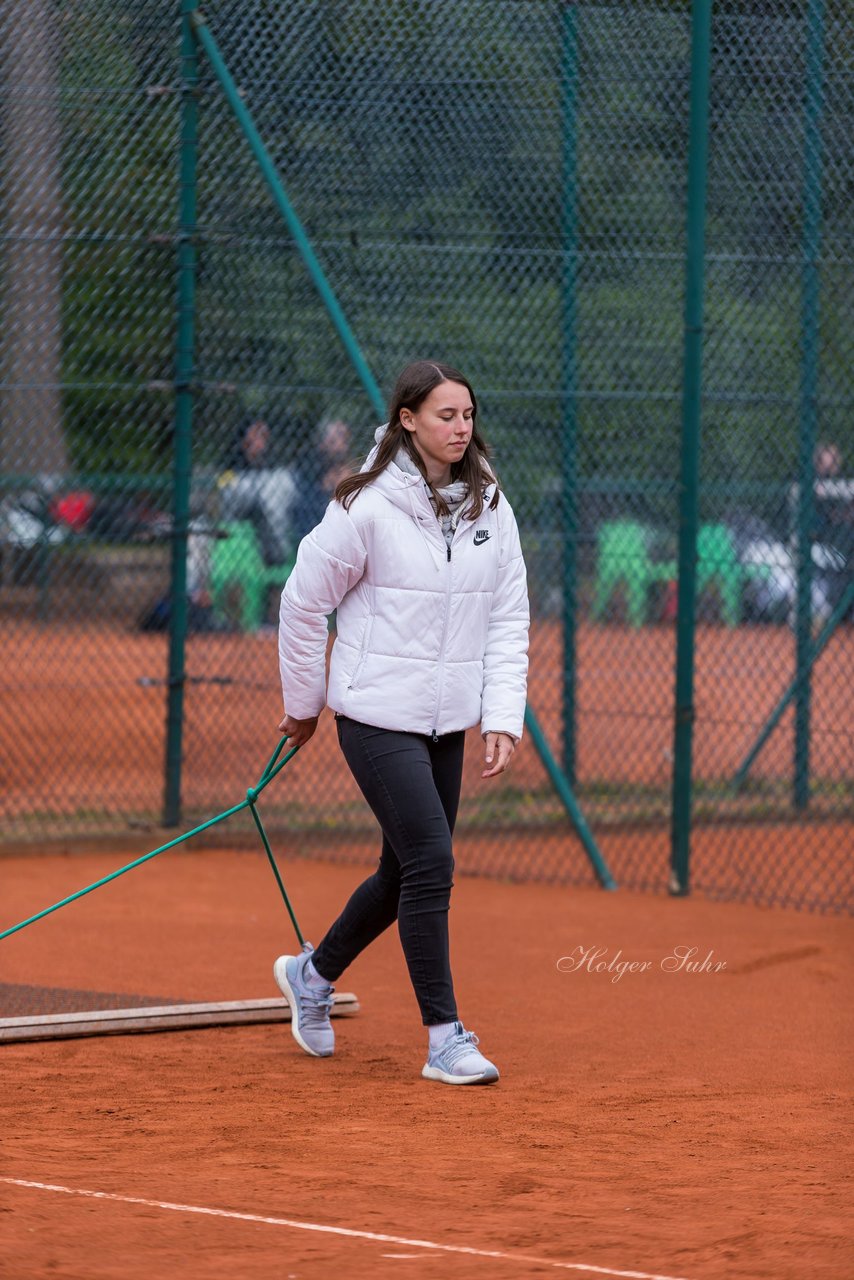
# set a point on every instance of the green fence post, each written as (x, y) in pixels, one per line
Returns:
(280, 196)
(351, 346)
(569, 434)
(698, 147)
(810, 298)
(843, 605)
(182, 462)
(568, 800)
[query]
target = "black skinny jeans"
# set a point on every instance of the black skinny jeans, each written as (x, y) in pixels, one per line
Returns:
(413, 787)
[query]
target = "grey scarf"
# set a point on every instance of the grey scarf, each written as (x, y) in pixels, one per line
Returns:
(454, 494)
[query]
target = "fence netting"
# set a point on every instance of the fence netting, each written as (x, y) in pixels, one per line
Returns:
(501, 186)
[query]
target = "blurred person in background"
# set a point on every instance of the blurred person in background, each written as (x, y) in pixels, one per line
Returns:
(833, 531)
(317, 474)
(251, 486)
(254, 487)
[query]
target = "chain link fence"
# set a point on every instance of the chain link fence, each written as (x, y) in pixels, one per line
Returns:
(495, 184)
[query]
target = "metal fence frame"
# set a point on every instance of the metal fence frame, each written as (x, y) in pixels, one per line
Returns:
(197, 43)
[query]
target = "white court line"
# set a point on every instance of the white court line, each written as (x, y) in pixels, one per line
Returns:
(336, 1231)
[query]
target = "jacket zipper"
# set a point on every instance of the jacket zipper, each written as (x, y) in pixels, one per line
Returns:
(357, 670)
(435, 734)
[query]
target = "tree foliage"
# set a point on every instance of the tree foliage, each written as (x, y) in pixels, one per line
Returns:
(497, 184)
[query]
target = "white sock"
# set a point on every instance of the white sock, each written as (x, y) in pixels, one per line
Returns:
(312, 977)
(440, 1033)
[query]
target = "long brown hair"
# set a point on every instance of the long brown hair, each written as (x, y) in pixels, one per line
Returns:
(412, 388)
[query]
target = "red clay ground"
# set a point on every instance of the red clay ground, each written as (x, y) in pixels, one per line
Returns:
(82, 721)
(82, 714)
(676, 1124)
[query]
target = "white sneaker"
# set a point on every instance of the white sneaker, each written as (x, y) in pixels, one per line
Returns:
(310, 1005)
(458, 1061)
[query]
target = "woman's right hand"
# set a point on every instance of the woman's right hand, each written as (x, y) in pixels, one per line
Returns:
(298, 732)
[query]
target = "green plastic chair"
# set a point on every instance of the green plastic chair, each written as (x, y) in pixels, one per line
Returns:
(236, 561)
(624, 560)
(718, 565)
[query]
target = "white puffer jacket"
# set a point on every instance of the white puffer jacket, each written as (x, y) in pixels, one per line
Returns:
(429, 641)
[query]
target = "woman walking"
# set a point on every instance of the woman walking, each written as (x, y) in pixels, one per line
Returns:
(419, 553)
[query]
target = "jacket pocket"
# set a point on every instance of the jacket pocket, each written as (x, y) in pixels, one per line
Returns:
(352, 683)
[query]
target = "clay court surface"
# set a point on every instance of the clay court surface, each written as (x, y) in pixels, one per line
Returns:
(83, 715)
(665, 1124)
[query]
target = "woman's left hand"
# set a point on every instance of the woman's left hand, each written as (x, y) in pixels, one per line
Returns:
(499, 752)
(297, 732)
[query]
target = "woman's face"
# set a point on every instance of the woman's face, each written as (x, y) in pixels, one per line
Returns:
(256, 440)
(441, 428)
(828, 461)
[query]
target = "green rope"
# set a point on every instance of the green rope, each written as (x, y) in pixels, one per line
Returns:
(252, 794)
(263, 834)
(274, 757)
